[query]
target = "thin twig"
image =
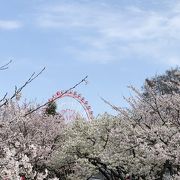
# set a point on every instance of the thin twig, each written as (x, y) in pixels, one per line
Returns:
(5, 66)
(32, 77)
(4, 97)
(46, 103)
(18, 90)
(112, 106)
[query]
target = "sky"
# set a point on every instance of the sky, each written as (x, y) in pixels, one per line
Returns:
(116, 43)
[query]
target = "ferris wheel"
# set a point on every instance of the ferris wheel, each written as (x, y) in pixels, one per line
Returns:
(71, 106)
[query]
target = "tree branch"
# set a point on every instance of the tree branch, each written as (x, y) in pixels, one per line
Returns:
(46, 103)
(5, 66)
(18, 90)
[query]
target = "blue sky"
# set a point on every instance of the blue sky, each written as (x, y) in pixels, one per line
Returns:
(115, 42)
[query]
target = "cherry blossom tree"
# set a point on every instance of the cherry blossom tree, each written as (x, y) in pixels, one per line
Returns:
(160, 83)
(28, 137)
(27, 142)
(142, 142)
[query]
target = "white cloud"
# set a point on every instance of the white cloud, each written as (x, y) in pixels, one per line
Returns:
(9, 24)
(69, 15)
(118, 33)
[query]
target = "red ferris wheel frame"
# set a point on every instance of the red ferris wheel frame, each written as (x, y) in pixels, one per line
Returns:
(78, 97)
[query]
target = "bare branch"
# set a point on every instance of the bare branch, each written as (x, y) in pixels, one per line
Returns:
(46, 103)
(32, 77)
(112, 106)
(5, 66)
(4, 97)
(18, 90)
